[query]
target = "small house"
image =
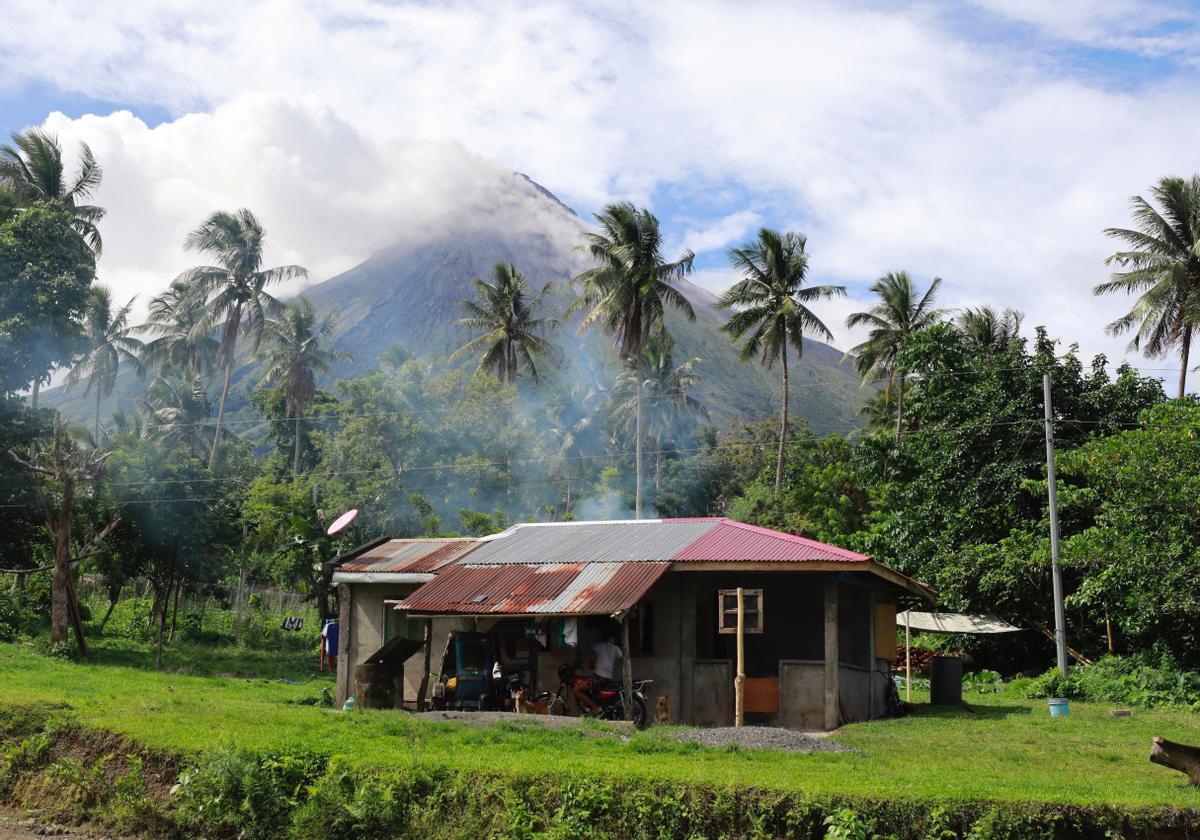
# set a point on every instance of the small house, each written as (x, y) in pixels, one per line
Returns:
(819, 621)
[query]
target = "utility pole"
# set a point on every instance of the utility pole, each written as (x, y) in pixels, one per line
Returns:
(1060, 619)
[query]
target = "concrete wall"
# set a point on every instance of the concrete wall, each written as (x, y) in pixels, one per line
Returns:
(802, 694)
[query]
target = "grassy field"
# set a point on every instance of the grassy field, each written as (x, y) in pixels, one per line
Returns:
(1003, 748)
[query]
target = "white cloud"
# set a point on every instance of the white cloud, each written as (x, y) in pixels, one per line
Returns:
(723, 233)
(890, 138)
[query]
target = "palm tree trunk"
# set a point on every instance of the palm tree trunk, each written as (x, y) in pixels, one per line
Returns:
(212, 456)
(783, 425)
(900, 409)
(33, 395)
(1184, 353)
(638, 445)
(296, 448)
(96, 426)
(657, 462)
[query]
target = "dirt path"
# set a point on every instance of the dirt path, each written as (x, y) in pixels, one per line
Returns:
(19, 826)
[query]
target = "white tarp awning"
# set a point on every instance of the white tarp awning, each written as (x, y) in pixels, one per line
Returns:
(953, 623)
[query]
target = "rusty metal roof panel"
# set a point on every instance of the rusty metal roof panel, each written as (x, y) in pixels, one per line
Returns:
(635, 541)
(536, 589)
(731, 541)
(419, 556)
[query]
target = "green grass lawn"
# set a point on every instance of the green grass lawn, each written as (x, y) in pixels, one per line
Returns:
(1003, 748)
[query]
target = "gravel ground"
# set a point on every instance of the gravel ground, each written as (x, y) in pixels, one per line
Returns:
(550, 721)
(747, 737)
(759, 738)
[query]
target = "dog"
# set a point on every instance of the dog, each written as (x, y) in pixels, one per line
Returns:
(662, 710)
(529, 707)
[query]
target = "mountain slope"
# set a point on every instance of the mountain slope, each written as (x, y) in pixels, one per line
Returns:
(410, 294)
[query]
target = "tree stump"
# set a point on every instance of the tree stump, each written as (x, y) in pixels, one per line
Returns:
(1179, 757)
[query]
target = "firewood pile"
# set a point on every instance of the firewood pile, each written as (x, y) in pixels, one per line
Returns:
(922, 658)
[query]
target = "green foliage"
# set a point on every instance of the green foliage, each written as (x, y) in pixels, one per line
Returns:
(982, 682)
(46, 270)
(240, 794)
(1134, 499)
(1132, 681)
(845, 824)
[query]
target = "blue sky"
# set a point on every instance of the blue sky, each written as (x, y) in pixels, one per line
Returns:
(987, 142)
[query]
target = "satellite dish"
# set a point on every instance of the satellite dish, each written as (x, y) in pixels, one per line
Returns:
(342, 521)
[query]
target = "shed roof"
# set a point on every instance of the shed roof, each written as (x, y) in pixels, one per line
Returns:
(417, 556)
(535, 589)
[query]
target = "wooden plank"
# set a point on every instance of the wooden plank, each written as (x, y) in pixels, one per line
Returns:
(885, 631)
(762, 695)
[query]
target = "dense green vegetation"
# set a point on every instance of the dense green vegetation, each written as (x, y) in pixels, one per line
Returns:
(990, 762)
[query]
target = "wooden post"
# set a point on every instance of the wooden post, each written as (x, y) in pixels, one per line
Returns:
(832, 696)
(907, 657)
(421, 692)
(739, 682)
(626, 668)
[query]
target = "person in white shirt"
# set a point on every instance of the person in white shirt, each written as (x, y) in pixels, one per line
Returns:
(603, 663)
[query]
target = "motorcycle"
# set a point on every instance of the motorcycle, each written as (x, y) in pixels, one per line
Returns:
(609, 696)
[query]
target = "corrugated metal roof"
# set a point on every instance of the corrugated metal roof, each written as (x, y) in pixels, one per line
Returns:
(535, 589)
(712, 539)
(422, 556)
(730, 541)
(635, 541)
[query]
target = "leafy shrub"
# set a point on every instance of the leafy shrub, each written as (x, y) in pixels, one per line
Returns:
(845, 824)
(130, 619)
(243, 794)
(16, 618)
(982, 682)
(1133, 681)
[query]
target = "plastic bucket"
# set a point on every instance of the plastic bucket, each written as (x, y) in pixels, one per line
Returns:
(1059, 707)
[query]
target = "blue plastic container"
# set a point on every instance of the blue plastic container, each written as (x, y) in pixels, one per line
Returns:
(1059, 707)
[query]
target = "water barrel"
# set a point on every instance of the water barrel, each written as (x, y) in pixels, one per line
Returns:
(379, 685)
(945, 681)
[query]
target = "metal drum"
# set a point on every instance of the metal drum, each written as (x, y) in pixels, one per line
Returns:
(945, 681)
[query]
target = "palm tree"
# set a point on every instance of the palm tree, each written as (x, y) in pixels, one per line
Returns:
(176, 406)
(31, 167)
(628, 291)
(988, 329)
(294, 356)
(900, 312)
(109, 341)
(568, 421)
(665, 388)
(174, 316)
(1162, 265)
(234, 290)
(512, 334)
(771, 308)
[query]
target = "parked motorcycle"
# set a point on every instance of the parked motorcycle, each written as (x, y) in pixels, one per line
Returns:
(610, 696)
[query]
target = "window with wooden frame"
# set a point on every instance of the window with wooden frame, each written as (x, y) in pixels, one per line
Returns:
(727, 610)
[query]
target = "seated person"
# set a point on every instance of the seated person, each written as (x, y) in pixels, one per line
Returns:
(603, 663)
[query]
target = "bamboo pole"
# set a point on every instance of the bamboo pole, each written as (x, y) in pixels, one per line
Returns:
(739, 683)
(907, 658)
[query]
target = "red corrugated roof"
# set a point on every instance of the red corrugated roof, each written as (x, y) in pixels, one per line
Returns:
(417, 556)
(731, 541)
(545, 588)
